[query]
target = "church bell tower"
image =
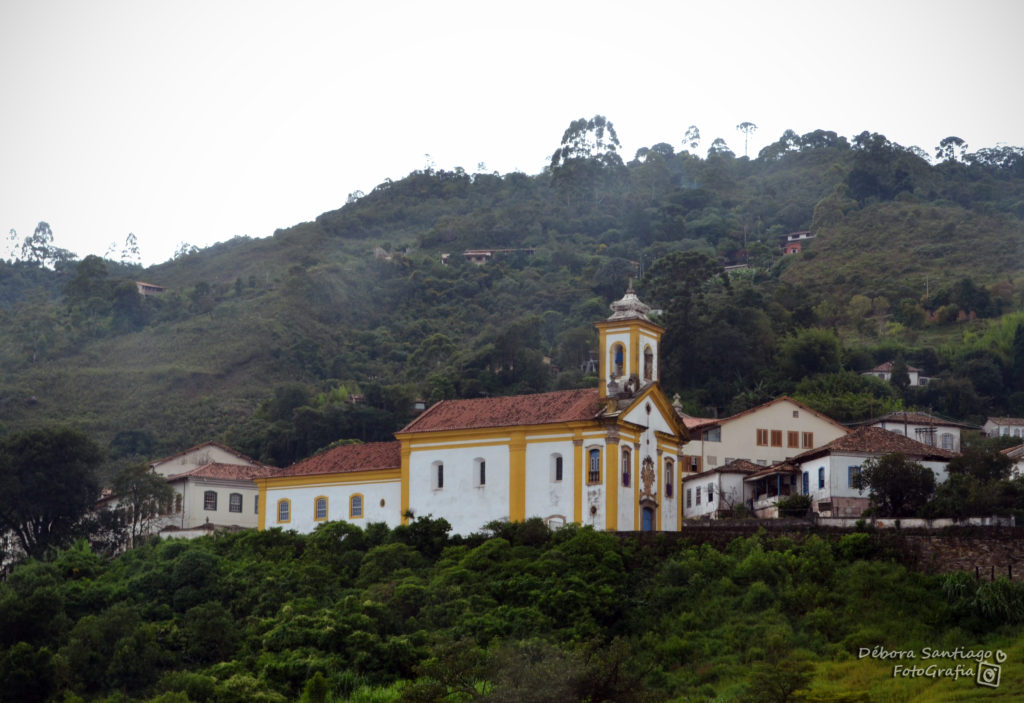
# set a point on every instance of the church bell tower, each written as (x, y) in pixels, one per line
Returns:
(629, 348)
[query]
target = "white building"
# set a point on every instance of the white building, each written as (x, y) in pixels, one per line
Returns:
(884, 372)
(830, 474)
(763, 435)
(1004, 427)
(606, 456)
(924, 427)
(716, 491)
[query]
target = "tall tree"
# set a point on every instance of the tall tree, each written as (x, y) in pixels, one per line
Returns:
(48, 482)
(747, 128)
(951, 149)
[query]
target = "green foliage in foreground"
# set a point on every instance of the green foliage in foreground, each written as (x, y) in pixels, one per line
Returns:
(409, 615)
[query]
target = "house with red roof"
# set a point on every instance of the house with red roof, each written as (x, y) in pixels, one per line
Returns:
(606, 456)
(830, 474)
(764, 435)
(926, 428)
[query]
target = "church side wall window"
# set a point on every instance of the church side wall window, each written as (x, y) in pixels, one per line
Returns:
(320, 509)
(235, 503)
(355, 505)
(627, 467)
(284, 510)
(209, 500)
(594, 466)
(479, 472)
(670, 468)
(556, 468)
(437, 470)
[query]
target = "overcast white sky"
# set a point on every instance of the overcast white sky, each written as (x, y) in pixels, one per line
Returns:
(195, 121)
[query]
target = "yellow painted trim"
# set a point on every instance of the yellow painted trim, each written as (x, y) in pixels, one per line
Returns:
(611, 489)
(261, 514)
(517, 478)
(577, 484)
(404, 478)
(327, 509)
(334, 479)
(362, 506)
(432, 446)
(498, 434)
(636, 488)
(277, 511)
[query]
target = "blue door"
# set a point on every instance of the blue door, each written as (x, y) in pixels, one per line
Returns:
(647, 522)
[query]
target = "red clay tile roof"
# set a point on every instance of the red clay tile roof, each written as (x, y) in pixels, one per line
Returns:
(348, 458)
(233, 472)
(1010, 421)
(919, 418)
(736, 466)
(693, 423)
(783, 468)
(875, 440)
(508, 411)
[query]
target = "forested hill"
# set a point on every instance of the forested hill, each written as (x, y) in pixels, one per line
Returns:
(265, 343)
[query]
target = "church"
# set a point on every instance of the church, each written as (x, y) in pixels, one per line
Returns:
(610, 456)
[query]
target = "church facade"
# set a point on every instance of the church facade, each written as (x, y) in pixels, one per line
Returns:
(610, 456)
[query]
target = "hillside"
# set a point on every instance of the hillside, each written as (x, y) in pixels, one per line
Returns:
(262, 342)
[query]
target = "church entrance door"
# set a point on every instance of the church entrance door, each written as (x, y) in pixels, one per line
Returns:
(647, 520)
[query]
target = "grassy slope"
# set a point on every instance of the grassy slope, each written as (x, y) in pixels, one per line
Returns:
(891, 249)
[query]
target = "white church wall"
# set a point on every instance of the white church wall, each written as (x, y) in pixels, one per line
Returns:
(302, 515)
(461, 500)
(547, 497)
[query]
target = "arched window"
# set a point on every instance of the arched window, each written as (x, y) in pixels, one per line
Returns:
(618, 360)
(235, 503)
(648, 363)
(284, 510)
(320, 509)
(355, 505)
(594, 466)
(670, 469)
(209, 500)
(556, 468)
(627, 466)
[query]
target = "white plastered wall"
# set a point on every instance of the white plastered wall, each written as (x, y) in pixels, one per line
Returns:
(338, 494)
(545, 497)
(463, 503)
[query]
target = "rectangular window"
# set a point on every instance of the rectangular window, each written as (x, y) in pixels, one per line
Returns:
(558, 468)
(256, 505)
(792, 440)
(689, 497)
(670, 469)
(627, 468)
(762, 438)
(594, 466)
(821, 477)
(712, 460)
(235, 503)
(853, 477)
(698, 495)
(806, 484)
(807, 440)
(355, 506)
(320, 509)
(776, 438)
(284, 511)
(713, 435)
(711, 493)
(483, 472)
(695, 464)
(210, 500)
(439, 476)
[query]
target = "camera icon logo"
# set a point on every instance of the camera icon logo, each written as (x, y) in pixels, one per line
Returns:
(989, 674)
